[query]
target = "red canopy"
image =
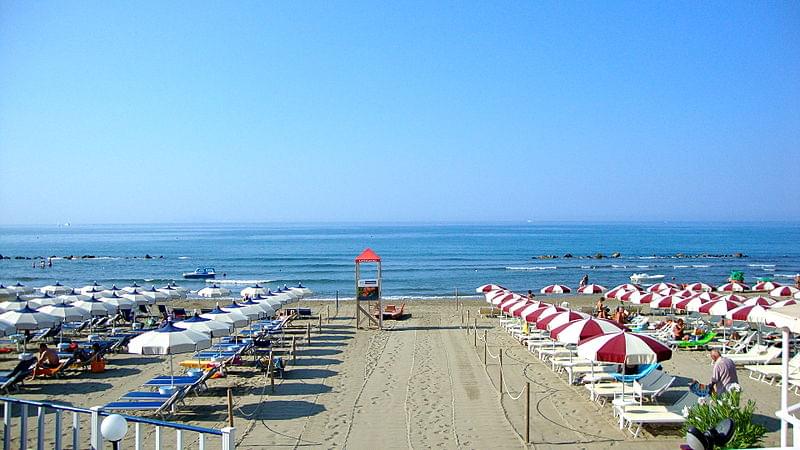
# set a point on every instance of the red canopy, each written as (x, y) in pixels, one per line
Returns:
(368, 256)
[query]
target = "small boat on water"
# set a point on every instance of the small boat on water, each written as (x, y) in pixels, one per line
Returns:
(392, 312)
(639, 277)
(200, 273)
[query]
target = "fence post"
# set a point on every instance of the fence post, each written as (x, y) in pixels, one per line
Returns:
(467, 321)
(228, 438)
(95, 438)
(76, 431)
(23, 427)
(294, 349)
(337, 303)
(308, 333)
(40, 428)
(328, 313)
(528, 412)
(57, 444)
(475, 330)
(7, 425)
(319, 326)
(501, 376)
(485, 362)
(230, 407)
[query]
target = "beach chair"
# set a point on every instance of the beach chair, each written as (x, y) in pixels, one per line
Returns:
(154, 407)
(584, 372)
(695, 344)
(12, 379)
(640, 415)
(769, 373)
(602, 391)
(55, 371)
(734, 348)
(179, 313)
(759, 354)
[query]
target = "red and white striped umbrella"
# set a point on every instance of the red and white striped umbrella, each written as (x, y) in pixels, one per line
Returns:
(559, 318)
(646, 297)
(666, 302)
(624, 348)
(491, 296)
(530, 316)
(766, 286)
(555, 289)
(733, 287)
(748, 313)
(686, 293)
(592, 289)
(708, 296)
(669, 291)
(531, 307)
(718, 307)
(733, 298)
(784, 291)
(762, 301)
(578, 330)
(541, 313)
(628, 296)
(621, 289)
(661, 286)
(515, 309)
(699, 287)
(506, 305)
(486, 288)
(782, 303)
(689, 304)
(501, 297)
(517, 312)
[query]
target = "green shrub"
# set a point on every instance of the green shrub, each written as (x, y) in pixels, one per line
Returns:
(708, 414)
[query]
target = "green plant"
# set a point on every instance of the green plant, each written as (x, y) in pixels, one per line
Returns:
(708, 413)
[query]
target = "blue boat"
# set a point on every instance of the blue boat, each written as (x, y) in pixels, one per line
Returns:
(204, 273)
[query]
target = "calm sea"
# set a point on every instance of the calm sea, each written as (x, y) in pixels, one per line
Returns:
(429, 260)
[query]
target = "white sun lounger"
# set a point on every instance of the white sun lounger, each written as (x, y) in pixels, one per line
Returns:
(759, 354)
(638, 415)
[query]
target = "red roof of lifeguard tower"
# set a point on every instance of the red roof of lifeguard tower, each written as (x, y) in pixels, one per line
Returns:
(368, 256)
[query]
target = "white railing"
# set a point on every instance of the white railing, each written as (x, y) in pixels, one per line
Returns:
(55, 440)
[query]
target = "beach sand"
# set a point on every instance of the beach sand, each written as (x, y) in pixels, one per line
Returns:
(421, 383)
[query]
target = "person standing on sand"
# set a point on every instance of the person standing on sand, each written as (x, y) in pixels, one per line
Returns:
(601, 309)
(530, 295)
(584, 281)
(722, 375)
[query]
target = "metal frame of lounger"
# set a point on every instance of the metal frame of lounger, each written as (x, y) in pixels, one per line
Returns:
(603, 390)
(656, 414)
(770, 354)
(157, 407)
(574, 371)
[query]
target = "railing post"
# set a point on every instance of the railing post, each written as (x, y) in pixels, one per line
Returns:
(528, 412)
(485, 362)
(23, 427)
(57, 445)
(6, 425)
(228, 438)
(137, 442)
(201, 441)
(475, 330)
(158, 438)
(179, 439)
(76, 431)
(40, 428)
(501, 376)
(95, 438)
(308, 333)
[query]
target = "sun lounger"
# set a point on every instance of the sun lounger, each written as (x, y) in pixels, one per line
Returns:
(639, 415)
(769, 373)
(694, 344)
(54, 371)
(600, 391)
(13, 378)
(759, 354)
(573, 372)
(156, 407)
(734, 348)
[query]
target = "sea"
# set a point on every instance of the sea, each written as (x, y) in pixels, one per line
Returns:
(418, 260)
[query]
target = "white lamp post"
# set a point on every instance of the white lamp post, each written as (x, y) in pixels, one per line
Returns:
(113, 429)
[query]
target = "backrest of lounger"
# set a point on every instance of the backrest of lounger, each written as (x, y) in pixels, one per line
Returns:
(689, 399)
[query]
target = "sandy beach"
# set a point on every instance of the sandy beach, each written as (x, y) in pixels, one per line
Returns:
(421, 383)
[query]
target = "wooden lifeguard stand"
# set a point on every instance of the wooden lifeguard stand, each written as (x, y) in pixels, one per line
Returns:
(368, 290)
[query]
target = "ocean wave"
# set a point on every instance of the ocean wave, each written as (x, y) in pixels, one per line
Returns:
(642, 267)
(784, 275)
(183, 257)
(396, 298)
(681, 267)
(617, 266)
(231, 281)
(761, 265)
(532, 268)
(701, 266)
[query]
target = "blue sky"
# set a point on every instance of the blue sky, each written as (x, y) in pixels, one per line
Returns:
(115, 112)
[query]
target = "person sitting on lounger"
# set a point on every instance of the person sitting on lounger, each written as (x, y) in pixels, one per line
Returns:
(620, 315)
(602, 312)
(47, 359)
(679, 331)
(84, 356)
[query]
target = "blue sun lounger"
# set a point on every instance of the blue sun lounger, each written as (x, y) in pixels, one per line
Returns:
(158, 407)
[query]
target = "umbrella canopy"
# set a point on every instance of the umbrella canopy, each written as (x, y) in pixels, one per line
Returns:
(119, 303)
(646, 297)
(628, 295)
(93, 288)
(131, 288)
(733, 298)
(517, 312)
(578, 330)
(766, 286)
(763, 301)
(209, 327)
(267, 300)
(622, 289)
(782, 303)
(629, 287)
(65, 312)
(6, 329)
(784, 291)
(733, 287)
(95, 307)
(531, 307)
(748, 313)
(699, 287)
(252, 313)
(181, 289)
(661, 286)
(496, 297)
(555, 289)
(280, 295)
(213, 291)
(115, 290)
(666, 302)
(13, 305)
(541, 313)
(304, 290)
(516, 309)
(592, 289)
(21, 288)
(511, 301)
(531, 315)
(138, 297)
(168, 340)
(624, 348)
(708, 296)
(156, 295)
(689, 304)
(235, 318)
(172, 292)
(685, 293)
(28, 318)
(7, 292)
(252, 291)
(45, 299)
(264, 307)
(55, 289)
(486, 288)
(560, 318)
(72, 297)
(672, 291)
(718, 307)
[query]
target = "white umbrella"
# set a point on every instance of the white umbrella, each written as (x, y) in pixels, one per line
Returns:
(6, 328)
(235, 318)
(7, 292)
(119, 303)
(213, 291)
(28, 318)
(578, 330)
(96, 292)
(270, 301)
(21, 288)
(180, 289)
(172, 292)
(306, 292)
(700, 287)
(65, 312)
(555, 289)
(290, 297)
(487, 288)
(168, 340)
(766, 286)
(210, 327)
(280, 296)
(644, 298)
(39, 301)
(733, 287)
(95, 287)
(115, 290)
(72, 297)
(138, 298)
(95, 307)
(265, 308)
(252, 313)
(156, 295)
(763, 301)
(13, 305)
(784, 291)
(131, 288)
(55, 289)
(252, 291)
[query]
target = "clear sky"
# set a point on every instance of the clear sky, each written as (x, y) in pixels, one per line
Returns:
(122, 112)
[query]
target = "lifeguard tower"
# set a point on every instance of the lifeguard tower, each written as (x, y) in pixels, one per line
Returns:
(368, 290)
